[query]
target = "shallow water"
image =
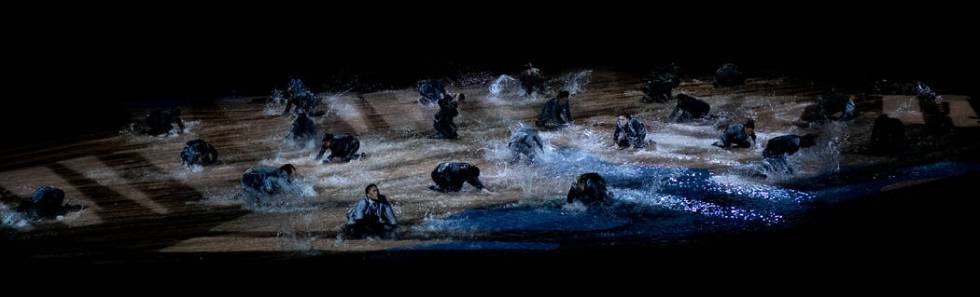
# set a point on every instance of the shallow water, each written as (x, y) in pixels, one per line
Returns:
(654, 202)
(677, 187)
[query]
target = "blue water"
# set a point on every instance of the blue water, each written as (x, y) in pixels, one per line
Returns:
(660, 203)
(873, 184)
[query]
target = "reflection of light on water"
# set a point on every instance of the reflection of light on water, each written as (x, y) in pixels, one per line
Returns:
(693, 206)
(643, 197)
(727, 197)
(835, 191)
(520, 218)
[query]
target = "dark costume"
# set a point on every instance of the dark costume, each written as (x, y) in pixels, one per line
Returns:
(199, 152)
(829, 106)
(302, 97)
(525, 141)
(633, 133)
(589, 188)
(777, 149)
(443, 120)
(342, 148)
(888, 135)
(688, 109)
(660, 86)
(161, 122)
(554, 114)
(531, 80)
(368, 218)
(46, 202)
(265, 180)
(935, 112)
(432, 91)
(735, 136)
(450, 176)
(303, 129)
(728, 75)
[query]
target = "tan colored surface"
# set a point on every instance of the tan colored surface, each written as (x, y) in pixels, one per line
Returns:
(124, 179)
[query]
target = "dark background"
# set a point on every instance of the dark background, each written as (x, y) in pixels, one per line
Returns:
(71, 73)
(81, 74)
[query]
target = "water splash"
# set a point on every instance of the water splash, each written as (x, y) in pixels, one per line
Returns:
(822, 158)
(297, 195)
(130, 132)
(189, 128)
(645, 198)
(12, 219)
(473, 79)
(576, 82)
(274, 108)
(185, 172)
(505, 86)
(292, 234)
(336, 106)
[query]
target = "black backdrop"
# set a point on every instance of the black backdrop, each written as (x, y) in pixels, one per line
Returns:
(71, 72)
(80, 74)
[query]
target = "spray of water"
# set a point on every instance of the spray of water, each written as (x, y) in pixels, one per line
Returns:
(12, 219)
(477, 79)
(294, 235)
(824, 157)
(504, 86)
(576, 82)
(274, 108)
(296, 196)
(338, 106)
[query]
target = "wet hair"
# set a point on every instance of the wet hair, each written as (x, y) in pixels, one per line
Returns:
(563, 94)
(289, 168)
(583, 179)
(750, 123)
(328, 136)
(368, 188)
(808, 140)
(460, 97)
(626, 115)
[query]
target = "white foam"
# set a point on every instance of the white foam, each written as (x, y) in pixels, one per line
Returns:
(576, 82)
(13, 219)
(337, 106)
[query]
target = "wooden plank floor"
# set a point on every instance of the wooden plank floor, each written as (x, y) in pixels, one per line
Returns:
(138, 197)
